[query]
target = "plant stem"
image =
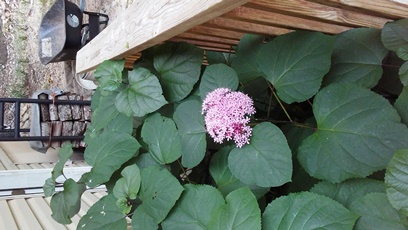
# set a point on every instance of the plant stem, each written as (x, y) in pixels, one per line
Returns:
(279, 101)
(184, 173)
(269, 106)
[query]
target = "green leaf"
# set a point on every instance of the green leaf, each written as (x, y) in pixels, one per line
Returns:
(217, 76)
(162, 137)
(358, 132)
(194, 209)
(107, 153)
(190, 123)
(223, 177)
(240, 212)
(394, 34)
(159, 192)
(109, 74)
(266, 161)
(64, 205)
(246, 63)
(346, 192)
(396, 180)
(103, 215)
(357, 58)
(128, 186)
(49, 187)
(64, 153)
(306, 210)
(377, 213)
(121, 123)
(123, 204)
(142, 96)
(402, 52)
(105, 112)
(179, 65)
(295, 63)
(403, 73)
(401, 105)
(214, 57)
(145, 160)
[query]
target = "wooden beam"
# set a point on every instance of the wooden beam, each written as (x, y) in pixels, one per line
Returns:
(146, 23)
(307, 9)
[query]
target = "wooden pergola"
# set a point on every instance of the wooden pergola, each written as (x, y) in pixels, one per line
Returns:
(219, 24)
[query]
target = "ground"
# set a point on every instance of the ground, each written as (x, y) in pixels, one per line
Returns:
(21, 72)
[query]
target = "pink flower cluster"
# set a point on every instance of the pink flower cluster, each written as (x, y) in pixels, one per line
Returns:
(227, 116)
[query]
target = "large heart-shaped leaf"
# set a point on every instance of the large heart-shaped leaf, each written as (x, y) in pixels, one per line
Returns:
(266, 161)
(306, 210)
(376, 212)
(240, 212)
(295, 63)
(357, 58)
(142, 96)
(223, 177)
(214, 57)
(162, 137)
(246, 61)
(401, 105)
(109, 74)
(358, 133)
(218, 76)
(179, 65)
(107, 153)
(403, 73)
(65, 204)
(194, 209)
(396, 181)
(159, 192)
(104, 214)
(190, 123)
(346, 192)
(394, 34)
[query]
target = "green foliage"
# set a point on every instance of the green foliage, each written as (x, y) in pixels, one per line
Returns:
(148, 139)
(307, 211)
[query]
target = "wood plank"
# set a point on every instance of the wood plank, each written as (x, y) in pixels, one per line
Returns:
(216, 32)
(23, 166)
(389, 8)
(246, 27)
(42, 211)
(202, 43)
(146, 23)
(208, 38)
(279, 19)
(5, 160)
(304, 8)
(6, 217)
(35, 178)
(2, 166)
(23, 215)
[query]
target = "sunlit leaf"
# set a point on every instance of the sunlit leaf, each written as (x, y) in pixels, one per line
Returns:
(306, 210)
(346, 192)
(223, 177)
(105, 112)
(190, 123)
(357, 58)
(162, 137)
(49, 187)
(194, 209)
(266, 161)
(104, 214)
(396, 180)
(109, 74)
(358, 133)
(107, 153)
(240, 212)
(295, 63)
(179, 65)
(377, 213)
(128, 186)
(142, 96)
(64, 153)
(159, 192)
(218, 76)
(65, 204)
